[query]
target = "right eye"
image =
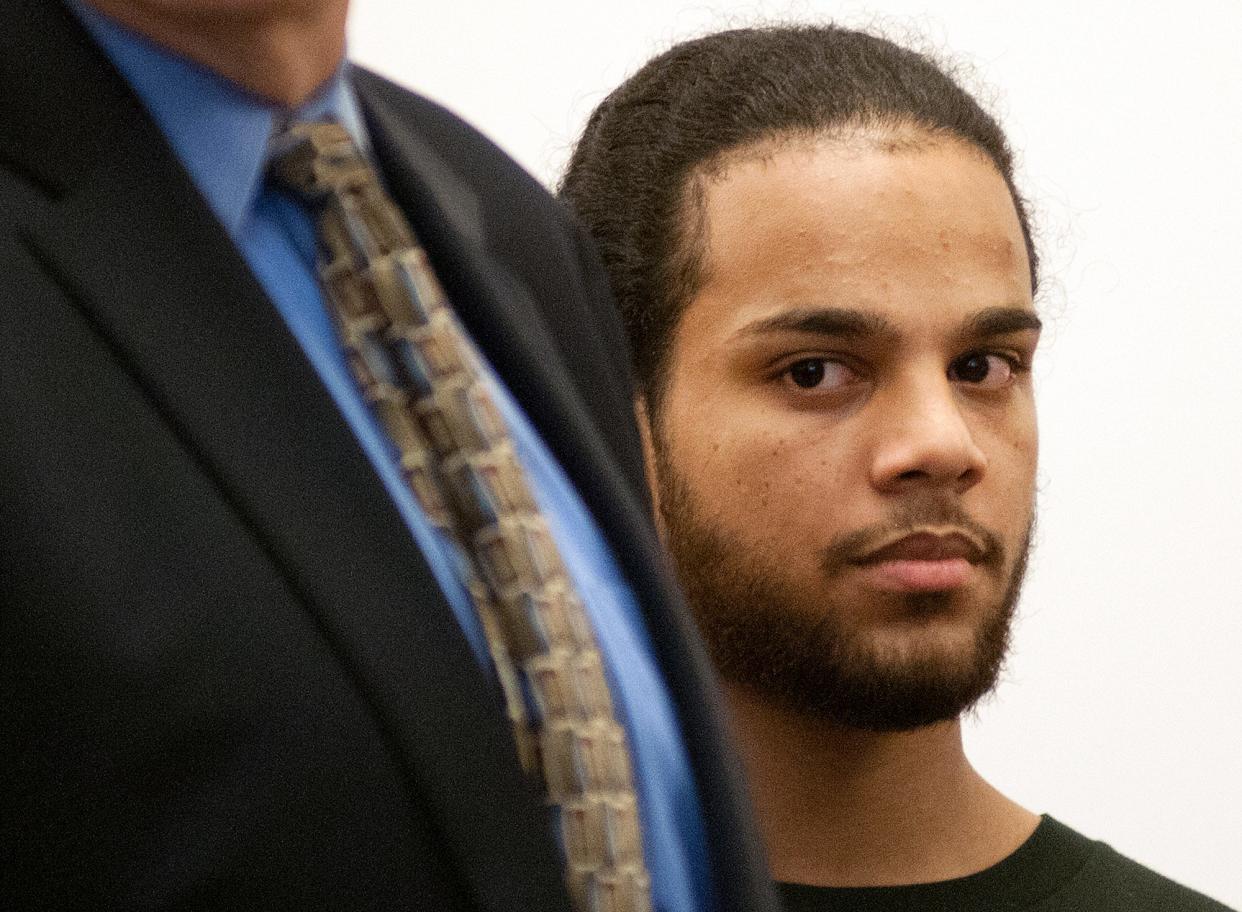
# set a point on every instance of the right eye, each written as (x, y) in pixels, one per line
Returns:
(821, 374)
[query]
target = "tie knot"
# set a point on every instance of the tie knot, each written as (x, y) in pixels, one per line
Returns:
(314, 160)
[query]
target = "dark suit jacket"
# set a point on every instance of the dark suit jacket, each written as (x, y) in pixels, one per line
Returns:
(227, 677)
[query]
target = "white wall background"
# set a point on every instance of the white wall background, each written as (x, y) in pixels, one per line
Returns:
(1122, 706)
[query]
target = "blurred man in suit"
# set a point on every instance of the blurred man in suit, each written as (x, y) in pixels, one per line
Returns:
(250, 657)
(828, 280)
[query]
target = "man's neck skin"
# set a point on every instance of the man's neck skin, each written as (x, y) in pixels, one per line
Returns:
(844, 808)
(273, 50)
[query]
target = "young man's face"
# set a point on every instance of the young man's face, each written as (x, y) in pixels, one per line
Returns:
(845, 449)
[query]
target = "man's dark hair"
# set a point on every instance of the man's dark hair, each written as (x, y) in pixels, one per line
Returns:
(631, 178)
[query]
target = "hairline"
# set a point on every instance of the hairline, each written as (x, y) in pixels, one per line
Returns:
(689, 260)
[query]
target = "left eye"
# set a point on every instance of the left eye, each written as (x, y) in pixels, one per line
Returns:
(982, 369)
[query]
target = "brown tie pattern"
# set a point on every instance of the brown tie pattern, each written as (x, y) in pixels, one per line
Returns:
(422, 375)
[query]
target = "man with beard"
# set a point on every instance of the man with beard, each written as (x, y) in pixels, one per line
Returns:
(828, 279)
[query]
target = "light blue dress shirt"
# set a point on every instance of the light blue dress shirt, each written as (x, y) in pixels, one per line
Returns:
(220, 133)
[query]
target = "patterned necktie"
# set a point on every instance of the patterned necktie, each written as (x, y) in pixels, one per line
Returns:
(422, 375)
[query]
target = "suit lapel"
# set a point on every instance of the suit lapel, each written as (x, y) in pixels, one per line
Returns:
(494, 305)
(140, 254)
(507, 326)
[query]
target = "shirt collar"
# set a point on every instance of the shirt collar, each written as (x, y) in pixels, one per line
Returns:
(219, 131)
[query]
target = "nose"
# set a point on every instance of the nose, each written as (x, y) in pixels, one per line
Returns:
(925, 440)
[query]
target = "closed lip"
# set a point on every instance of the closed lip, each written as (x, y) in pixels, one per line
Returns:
(927, 545)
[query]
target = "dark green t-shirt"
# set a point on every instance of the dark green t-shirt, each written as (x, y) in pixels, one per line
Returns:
(1056, 870)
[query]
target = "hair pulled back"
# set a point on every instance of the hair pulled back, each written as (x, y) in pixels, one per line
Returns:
(632, 178)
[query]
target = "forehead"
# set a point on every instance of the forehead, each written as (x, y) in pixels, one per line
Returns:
(916, 230)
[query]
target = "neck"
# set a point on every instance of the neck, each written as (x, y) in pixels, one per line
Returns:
(281, 52)
(846, 808)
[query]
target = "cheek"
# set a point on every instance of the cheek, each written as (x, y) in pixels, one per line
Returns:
(733, 465)
(1012, 448)
(1021, 440)
(768, 480)
(766, 473)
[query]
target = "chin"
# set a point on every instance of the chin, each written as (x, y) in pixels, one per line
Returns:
(923, 639)
(890, 665)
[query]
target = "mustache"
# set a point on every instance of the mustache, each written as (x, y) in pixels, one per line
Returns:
(911, 518)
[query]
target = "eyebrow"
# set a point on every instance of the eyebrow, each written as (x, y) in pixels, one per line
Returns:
(840, 321)
(999, 321)
(822, 321)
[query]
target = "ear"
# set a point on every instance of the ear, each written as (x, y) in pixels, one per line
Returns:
(643, 417)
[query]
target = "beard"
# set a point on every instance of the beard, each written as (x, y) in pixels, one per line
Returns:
(765, 637)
